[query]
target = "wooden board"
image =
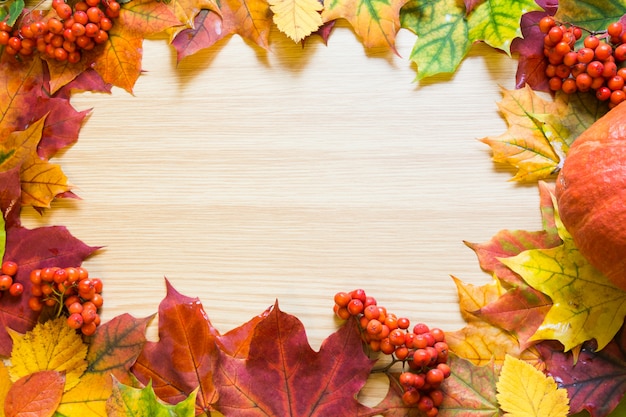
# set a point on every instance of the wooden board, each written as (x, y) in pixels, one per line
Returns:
(245, 176)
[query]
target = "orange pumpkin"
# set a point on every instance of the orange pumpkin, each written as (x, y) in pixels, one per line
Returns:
(591, 194)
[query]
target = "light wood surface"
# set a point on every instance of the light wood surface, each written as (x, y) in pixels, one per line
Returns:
(245, 176)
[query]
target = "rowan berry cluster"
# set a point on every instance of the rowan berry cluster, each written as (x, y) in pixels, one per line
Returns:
(7, 279)
(64, 33)
(595, 66)
(421, 349)
(71, 292)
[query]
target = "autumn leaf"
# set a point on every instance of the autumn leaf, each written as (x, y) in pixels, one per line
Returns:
(497, 22)
(586, 305)
(480, 341)
(523, 391)
(593, 15)
(531, 62)
(41, 181)
(61, 127)
(442, 31)
(470, 390)
(127, 401)
(596, 380)
(20, 87)
(521, 309)
(187, 337)
(297, 18)
(112, 351)
(119, 61)
(283, 375)
(49, 346)
(250, 19)
(186, 11)
(376, 22)
(540, 131)
(37, 394)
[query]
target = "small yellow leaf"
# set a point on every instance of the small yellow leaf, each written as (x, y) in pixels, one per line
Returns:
(524, 391)
(50, 346)
(297, 18)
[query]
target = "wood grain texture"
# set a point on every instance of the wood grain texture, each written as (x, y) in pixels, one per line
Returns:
(244, 176)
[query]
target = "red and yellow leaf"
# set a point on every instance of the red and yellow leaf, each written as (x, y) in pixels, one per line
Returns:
(376, 22)
(114, 348)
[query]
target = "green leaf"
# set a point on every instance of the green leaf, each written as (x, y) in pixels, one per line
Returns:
(127, 401)
(14, 10)
(590, 14)
(497, 22)
(586, 305)
(442, 31)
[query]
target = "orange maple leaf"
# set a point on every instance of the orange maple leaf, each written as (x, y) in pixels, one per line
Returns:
(376, 21)
(119, 61)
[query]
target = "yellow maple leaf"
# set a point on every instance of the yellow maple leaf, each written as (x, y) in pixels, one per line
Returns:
(5, 385)
(524, 391)
(297, 18)
(49, 346)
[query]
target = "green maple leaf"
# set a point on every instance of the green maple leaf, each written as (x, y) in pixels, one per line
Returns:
(586, 305)
(497, 22)
(590, 14)
(127, 401)
(442, 31)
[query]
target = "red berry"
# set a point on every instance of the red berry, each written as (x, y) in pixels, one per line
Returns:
(355, 307)
(546, 23)
(615, 29)
(342, 299)
(359, 294)
(9, 268)
(374, 327)
(16, 289)
(88, 329)
(75, 321)
(434, 377)
(411, 397)
(5, 282)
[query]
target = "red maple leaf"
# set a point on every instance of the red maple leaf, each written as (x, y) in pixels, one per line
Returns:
(283, 375)
(189, 341)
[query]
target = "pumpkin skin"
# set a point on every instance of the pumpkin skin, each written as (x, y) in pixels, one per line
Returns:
(591, 194)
